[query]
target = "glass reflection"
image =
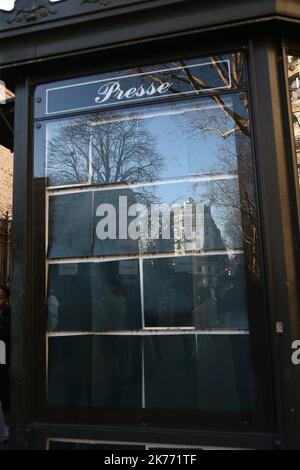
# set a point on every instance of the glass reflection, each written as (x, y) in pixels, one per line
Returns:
(147, 144)
(183, 372)
(70, 225)
(192, 155)
(175, 218)
(95, 371)
(202, 292)
(188, 372)
(94, 296)
(69, 370)
(117, 372)
(68, 152)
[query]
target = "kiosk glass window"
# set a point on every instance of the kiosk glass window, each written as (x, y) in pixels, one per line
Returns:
(151, 239)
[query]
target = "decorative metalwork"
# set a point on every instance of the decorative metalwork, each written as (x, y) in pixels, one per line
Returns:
(27, 13)
(103, 3)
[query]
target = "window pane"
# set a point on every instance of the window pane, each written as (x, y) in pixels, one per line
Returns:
(198, 372)
(95, 371)
(164, 222)
(153, 259)
(204, 292)
(68, 147)
(117, 372)
(70, 225)
(94, 296)
(181, 372)
(145, 144)
(69, 370)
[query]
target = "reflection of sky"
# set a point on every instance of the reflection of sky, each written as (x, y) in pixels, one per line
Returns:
(187, 136)
(183, 154)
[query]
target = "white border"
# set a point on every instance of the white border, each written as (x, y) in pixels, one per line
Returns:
(75, 189)
(163, 331)
(148, 445)
(142, 256)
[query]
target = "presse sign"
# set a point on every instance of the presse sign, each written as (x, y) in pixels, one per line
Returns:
(135, 87)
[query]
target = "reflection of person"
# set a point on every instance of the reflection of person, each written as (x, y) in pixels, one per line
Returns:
(114, 306)
(111, 309)
(235, 314)
(52, 311)
(205, 314)
(234, 304)
(5, 339)
(131, 289)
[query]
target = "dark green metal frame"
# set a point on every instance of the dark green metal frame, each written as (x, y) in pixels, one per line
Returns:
(130, 34)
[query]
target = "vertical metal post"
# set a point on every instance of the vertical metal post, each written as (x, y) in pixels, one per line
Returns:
(272, 152)
(19, 285)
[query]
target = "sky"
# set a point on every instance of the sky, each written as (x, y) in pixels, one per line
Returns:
(9, 4)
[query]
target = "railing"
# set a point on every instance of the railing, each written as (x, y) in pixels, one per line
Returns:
(5, 249)
(297, 142)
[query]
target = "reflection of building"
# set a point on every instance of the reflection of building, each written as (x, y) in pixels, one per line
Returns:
(212, 234)
(198, 232)
(6, 178)
(294, 82)
(206, 236)
(214, 266)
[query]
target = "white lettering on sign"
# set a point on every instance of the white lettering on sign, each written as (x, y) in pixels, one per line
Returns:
(135, 87)
(114, 90)
(2, 353)
(296, 353)
(152, 223)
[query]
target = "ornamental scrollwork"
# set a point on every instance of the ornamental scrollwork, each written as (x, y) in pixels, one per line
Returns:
(25, 13)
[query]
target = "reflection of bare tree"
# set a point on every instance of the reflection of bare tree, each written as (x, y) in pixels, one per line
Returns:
(238, 200)
(102, 150)
(186, 76)
(68, 154)
(124, 151)
(112, 148)
(231, 123)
